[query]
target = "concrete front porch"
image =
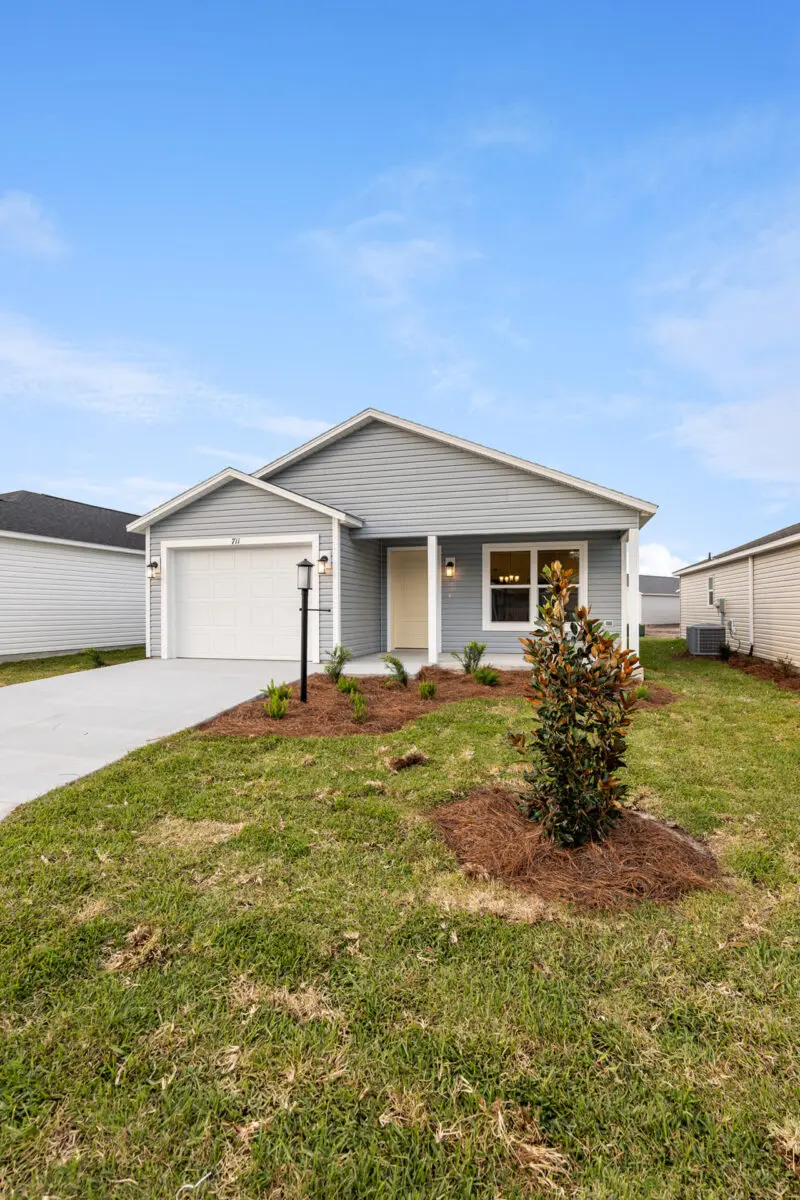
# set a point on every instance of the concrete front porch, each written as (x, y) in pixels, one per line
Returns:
(412, 660)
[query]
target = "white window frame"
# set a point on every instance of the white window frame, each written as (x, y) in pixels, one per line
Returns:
(533, 547)
(711, 591)
(169, 547)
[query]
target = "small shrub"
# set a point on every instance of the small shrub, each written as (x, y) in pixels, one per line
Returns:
(359, 704)
(427, 689)
(471, 656)
(347, 685)
(581, 682)
(93, 657)
(786, 667)
(277, 695)
(398, 672)
(725, 651)
(642, 692)
(337, 657)
(487, 676)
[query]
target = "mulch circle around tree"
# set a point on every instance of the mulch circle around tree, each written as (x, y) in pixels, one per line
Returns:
(760, 668)
(641, 858)
(329, 713)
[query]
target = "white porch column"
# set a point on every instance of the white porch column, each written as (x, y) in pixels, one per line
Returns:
(434, 599)
(623, 585)
(634, 598)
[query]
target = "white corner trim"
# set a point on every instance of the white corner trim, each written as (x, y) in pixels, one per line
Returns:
(634, 595)
(624, 607)
(582, 547)
(644, 507)
(170, 547)
(336, 566)
(226, 476)
(434, 598)
(54, 541)
(148, 584)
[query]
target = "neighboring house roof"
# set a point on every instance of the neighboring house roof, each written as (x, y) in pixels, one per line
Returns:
(659, 585)
(226, 476)
(643, 507)
(788, 536)
(35, 514)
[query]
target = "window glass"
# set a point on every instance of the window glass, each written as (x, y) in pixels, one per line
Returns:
(511, 567)
(567, 558)
(511, 604)
(711, 589)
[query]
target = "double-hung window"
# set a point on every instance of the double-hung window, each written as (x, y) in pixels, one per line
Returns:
(514, 584)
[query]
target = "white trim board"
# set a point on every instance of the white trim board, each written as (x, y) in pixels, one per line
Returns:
(487, 624)
(54, 541)
(709, 564)
(168, 548)
(227, 475)
(644, 507)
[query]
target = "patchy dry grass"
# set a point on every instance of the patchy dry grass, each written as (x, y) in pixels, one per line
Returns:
(251, 966)
(24, 670)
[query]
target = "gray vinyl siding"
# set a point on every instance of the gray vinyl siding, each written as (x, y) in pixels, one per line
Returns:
(399, 482)
(360, 587)
(462, 597)
(56, 598)
(240, 510)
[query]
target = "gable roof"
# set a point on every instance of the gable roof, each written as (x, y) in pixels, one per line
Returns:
(770, 541)
(643, 507)
(225, 476)
(36, 514)
(659, 585)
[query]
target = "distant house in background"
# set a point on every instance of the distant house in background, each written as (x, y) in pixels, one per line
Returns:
(661, 599)
(70, 577)
(753, 590)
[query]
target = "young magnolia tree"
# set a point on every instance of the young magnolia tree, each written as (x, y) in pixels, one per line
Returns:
(582, 695)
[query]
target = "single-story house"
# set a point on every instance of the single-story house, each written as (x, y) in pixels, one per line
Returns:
(423, 541)
(753, 590)
(661, 599)
(71, 577)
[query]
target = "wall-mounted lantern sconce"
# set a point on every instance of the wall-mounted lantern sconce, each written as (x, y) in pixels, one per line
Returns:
(154, 569)
(450, 568)
(323, 565)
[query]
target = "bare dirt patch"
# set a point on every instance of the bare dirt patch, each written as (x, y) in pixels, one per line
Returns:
(657, 696)
(641, 859)
(143, 946)
(772, 672)
(329, 713)
(486, 896)
(176, 831)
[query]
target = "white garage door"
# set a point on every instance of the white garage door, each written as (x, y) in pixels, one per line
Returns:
(238, 602)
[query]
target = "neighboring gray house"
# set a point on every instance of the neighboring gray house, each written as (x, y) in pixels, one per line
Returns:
(424, 541)
(661, 599)
(754, 590)
(70, 577)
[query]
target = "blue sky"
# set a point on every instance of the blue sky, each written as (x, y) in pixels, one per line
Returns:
(567, 231)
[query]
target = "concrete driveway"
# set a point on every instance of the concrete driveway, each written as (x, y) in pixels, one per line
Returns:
(55, 730)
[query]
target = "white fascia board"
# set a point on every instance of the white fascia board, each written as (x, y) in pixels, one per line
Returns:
(751, 552)
(643, 507)
(54, 541)
(226, 476)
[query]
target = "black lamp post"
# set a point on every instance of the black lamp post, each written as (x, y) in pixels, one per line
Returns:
(304, 570)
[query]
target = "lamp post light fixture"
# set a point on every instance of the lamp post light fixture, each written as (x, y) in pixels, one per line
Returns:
(304, 579)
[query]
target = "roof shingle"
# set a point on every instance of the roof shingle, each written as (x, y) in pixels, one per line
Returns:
(52, 516)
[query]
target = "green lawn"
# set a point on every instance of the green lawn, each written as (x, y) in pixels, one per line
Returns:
(61, 664)
(313, 1004)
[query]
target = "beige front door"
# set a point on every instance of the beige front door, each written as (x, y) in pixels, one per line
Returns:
(408, 599)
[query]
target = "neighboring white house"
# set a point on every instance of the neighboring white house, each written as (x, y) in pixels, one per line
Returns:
(70, 577)
(661, 599)
(754, 590)
(423, 541)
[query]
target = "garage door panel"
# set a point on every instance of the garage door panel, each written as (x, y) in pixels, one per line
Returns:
(240, 602)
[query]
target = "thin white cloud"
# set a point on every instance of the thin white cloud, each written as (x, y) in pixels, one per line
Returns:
(514, 127)
(37, 368)
(657, 559)
(229, 458)
(134, 493)
(25, 227)
(730, 326)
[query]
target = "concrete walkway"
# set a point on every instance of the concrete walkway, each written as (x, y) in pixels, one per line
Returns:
(55, 730)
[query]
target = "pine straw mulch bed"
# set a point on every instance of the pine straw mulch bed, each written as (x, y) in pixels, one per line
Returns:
(641, 859)
(329, 713)
(760, 668)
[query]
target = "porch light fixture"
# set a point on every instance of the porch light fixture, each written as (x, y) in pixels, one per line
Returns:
(450, 568)
(323, 565)
(154, 569)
